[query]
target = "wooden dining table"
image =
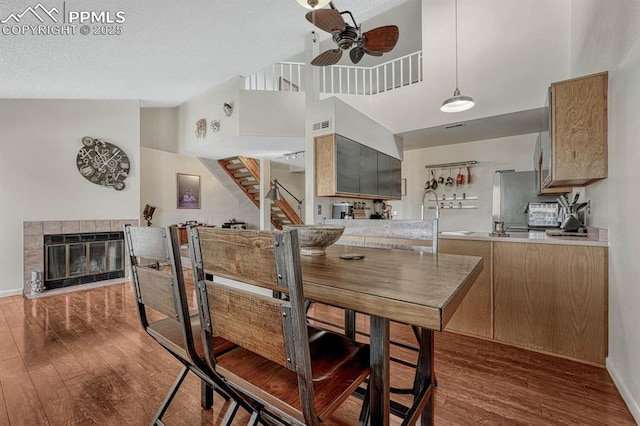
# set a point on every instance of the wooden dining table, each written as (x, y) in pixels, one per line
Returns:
(415, 288)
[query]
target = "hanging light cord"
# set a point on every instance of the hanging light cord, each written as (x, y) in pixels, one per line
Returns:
(456, 44)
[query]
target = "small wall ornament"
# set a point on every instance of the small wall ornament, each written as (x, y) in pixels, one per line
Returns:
(215, 125)
(228, 109)
(103, 163)
(201, 128)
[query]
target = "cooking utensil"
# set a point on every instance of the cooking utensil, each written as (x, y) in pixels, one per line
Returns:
(434, 181)
(575, 199)
(460, 177)
(441, 178)
(468, 175)
(449, 181)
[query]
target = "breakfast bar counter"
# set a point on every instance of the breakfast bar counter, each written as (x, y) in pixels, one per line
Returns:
(416, 288)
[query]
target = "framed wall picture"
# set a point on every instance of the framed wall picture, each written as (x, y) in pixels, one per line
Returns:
(188, 191)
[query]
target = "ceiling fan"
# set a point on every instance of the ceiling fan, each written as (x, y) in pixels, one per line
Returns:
(374, 42)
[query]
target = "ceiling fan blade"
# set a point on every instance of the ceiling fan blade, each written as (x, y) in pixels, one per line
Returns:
(371, 52)
(356, 54)
(381, 39)
(329, 20)
(327, 58)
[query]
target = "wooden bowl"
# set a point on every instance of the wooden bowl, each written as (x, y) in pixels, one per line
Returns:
(313, 239)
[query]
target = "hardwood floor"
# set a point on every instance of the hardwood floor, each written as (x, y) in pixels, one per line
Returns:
(82, 358)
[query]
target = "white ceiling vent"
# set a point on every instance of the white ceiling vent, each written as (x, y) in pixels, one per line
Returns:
(321, 126)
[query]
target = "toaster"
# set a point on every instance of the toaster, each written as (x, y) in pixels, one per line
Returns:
(543, 215)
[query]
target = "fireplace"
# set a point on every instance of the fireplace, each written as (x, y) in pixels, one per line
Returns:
(34, 252)
(72, 259)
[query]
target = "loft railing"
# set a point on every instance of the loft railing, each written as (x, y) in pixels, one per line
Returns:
(283, 76)
(390, 75)
(342, 79)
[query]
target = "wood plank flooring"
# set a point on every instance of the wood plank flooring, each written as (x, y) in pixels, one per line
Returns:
(81, 358)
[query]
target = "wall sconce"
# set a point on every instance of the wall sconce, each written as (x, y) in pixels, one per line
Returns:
(148, 213)
(228, 109)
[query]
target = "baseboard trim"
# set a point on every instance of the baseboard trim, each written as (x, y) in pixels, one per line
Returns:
(9, 293)
(632, 404)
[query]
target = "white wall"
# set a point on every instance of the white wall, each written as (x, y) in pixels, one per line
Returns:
(208, 105)
(158, 187)
(159, 128)
(606, 36)
(515, 152)
(39, 179)
(508, 53)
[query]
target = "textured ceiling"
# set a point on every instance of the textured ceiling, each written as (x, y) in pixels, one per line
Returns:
(168, 51)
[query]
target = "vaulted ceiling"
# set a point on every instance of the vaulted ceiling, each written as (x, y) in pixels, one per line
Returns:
(168, 51)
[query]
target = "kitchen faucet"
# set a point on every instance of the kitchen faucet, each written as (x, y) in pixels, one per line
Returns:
(434, 244)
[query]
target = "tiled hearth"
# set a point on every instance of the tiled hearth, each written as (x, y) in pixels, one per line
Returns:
(33, 240)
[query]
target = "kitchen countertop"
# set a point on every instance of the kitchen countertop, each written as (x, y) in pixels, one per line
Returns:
(536, 237)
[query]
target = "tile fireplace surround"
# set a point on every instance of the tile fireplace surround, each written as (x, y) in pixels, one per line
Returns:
(33, 240)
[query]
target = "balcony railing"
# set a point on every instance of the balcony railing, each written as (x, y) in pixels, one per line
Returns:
(390, 75)
(341, 79)
(283, 76)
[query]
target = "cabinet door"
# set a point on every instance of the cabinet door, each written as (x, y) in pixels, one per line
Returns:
(348, 165)
(552, 298)
(396, 178)
(384, 176)
(474, 315)
(368, 171)
(579, 130)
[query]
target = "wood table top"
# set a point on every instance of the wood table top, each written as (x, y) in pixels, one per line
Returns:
(421, 289)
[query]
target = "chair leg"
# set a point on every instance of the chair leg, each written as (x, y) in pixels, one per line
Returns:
(231, 413)
(363, 420)
(206, 393)
(170, 395)
(255, 416)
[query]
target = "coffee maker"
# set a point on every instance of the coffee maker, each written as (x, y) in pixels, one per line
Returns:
(378, 210)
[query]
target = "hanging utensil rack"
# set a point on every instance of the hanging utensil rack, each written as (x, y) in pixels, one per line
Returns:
(451, 165)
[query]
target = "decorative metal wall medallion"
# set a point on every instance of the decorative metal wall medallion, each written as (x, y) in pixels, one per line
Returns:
(103, 163)
(215, 125)
(201, 128)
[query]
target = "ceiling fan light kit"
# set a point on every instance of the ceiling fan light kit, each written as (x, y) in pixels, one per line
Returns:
(458, 102)
(313, 4)
(350, 37)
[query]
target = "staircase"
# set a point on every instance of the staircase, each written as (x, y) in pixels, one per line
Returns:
(245, 172)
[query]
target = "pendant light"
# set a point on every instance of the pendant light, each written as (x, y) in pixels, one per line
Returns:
(313, 4)
(457, 102)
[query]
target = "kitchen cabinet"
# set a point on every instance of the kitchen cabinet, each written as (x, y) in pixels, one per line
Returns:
(575, 154)
(537, 166)
(345, 168)
(474, 315)
(552, 298)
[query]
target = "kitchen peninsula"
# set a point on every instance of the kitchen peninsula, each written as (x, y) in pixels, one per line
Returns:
(538, 292)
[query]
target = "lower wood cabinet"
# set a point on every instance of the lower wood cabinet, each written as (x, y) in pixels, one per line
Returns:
(474, 315)
(552, 298)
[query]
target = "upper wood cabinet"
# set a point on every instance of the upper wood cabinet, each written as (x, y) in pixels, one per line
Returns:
(345, 168)
(577, 152)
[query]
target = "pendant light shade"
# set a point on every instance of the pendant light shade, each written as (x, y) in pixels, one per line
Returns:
(313, 4)
(457, 102)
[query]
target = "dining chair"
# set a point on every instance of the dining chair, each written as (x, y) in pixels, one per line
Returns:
(164, 313)
(298, 373)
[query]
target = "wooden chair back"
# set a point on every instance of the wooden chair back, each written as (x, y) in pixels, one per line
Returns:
(274, 328)
(157, 275)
